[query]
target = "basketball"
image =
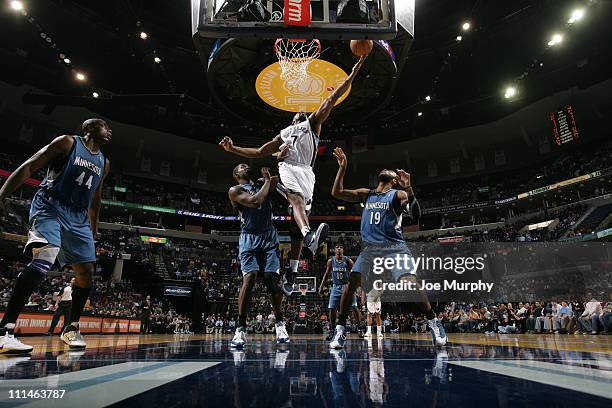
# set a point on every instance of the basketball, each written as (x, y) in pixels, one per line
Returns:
(361, 47)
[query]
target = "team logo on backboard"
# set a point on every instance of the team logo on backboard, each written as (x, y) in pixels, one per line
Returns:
(323, 78)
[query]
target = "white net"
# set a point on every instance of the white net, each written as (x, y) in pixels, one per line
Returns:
(294, 57)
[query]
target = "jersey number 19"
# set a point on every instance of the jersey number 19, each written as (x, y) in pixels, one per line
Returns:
(375, 217)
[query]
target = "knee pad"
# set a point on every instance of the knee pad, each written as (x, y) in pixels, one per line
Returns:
(43, 258)
(271, 281)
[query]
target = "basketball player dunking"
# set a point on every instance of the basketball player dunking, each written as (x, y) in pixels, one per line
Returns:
(381, 235)
(63, 220)
(258, 247)
(296, 147)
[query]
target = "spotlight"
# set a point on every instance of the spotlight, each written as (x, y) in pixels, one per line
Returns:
(95, 95)
(510, 92)
(428, 98)
(144, 35)
(466, 26)
(16, 5)
(576, 16)
(556, 39)
(157, 60)
(80, 76)
(67, 61)
(420, 114)
(459, 38)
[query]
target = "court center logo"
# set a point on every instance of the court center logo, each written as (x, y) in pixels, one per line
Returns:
(323, 78)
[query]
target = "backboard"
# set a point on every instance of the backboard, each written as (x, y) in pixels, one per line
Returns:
(218, 19)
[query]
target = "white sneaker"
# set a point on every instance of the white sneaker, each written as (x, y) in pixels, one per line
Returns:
(281, 333)
(438, 333)
(239, 339)
(314, 240)
(9, 344)
(339, 338)
(72, 336)
(368, 334)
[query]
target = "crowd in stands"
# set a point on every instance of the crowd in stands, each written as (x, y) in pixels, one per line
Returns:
(562, 317)
(482, 188)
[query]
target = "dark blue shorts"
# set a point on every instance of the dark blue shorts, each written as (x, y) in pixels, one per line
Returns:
(259, 252)
(51, 223)
(335, 294)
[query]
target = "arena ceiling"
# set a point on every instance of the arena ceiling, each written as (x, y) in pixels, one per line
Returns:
(464, 80)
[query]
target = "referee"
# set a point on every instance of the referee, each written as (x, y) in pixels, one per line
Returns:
(63, 304)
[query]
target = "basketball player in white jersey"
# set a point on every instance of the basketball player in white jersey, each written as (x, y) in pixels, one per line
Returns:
(296, 147)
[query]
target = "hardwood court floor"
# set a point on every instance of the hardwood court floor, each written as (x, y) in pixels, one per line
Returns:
(399, 370)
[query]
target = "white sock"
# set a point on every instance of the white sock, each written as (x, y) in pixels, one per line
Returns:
(369, 330)
(294, 263)
(305, 230)
(379, 329)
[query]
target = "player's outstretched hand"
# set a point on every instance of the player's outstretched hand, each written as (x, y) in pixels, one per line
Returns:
(265, 172)
(227, 144)
(404, 178)
(340, 157)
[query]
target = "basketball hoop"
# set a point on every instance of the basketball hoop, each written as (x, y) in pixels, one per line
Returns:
(294, 56)
(303, 288)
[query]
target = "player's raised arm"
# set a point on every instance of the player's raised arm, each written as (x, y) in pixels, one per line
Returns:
(57, 149)
(325, 276)
(338, 190)
(239, 196)
(266, 149)
(322, 113)
(407, 203)
(96, 202)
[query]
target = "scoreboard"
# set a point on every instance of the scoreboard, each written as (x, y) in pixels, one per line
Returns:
(564, 125)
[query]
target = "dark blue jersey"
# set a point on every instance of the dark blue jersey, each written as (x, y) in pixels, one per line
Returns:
(380, 223)
(74, 180)
(255, 220)
(340, 271)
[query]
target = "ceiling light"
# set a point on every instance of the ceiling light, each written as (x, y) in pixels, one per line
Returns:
(556, 39)
(420, 114)
(428, 98)
(16, 5)
(510, 92)
(157, 60)
(95, 95)
(459, 38)
(576, 16)
(66, 60)
(80, 76)
(144, 35)
(466, 26)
